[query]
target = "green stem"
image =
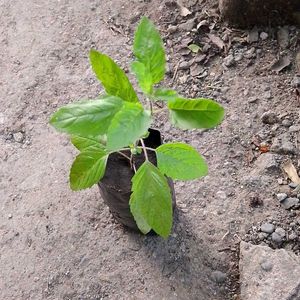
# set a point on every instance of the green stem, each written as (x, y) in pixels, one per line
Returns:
(144, 149)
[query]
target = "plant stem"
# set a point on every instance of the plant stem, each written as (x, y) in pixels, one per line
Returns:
(144, 149)
(124, 155)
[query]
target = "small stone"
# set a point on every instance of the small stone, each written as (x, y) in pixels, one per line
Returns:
(287, 123)
(172, 29)
(294, 128)
(293, 236)
(263, 35)
(287, 148)
(267, 95)
(185, 65)
(283, 37)
(251, 53)
(280, 231)
(276, 238)
(293, 185)
(267, 228)
(228, 60)
(289, 202)
(253, 36)
(266, 266)
(218, 276)
(296, 82)
(238, 57)
(187, 26)
(262, 236)
(269, 117)
(18, 137)
(281, 196)
(9, 216)
(196, 69)
(221, 195)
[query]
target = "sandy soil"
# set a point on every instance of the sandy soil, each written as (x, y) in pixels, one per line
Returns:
(57, 244)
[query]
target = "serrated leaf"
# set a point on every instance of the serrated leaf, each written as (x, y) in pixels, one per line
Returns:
(88, 168)
(149, 51)
(150, 201)
(180, 161)
(195, 113)
(86, 118)
(164, 94)
(127, 126)
(194, 48)
(84, 143)
(112, 77)
(143, 76)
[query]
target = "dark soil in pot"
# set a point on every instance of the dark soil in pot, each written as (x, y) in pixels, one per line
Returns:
(115, 186)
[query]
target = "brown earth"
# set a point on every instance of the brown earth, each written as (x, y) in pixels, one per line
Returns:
(57, 244)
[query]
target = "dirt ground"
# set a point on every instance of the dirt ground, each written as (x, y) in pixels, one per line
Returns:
(58, 244)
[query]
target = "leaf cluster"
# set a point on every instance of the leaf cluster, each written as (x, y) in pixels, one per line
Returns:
(117, 121)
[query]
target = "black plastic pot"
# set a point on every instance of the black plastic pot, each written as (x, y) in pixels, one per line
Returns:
(115, 186)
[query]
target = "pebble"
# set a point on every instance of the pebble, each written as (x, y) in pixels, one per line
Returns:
(269, 117)
(238, 57)
(287, 148)
(262, 236)
(280, 231)
(266, 266)
(251, 53)
(187, 26)
(9, 216)
(18, 137)
(172, 29)
(289, 202)
(276, 238)
(263, 35)
(296, 82)
(293, 236)
(293, 185)
(221, 194)
(267, 228)
(281, 196)
(218, 276)
(267, 95)
(294, 128)
(228, 60)
(287, 123)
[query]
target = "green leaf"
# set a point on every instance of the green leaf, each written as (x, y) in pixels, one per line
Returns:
(128, 125)
(180, 161)
(85, 118)
(143, 76)
(112, 77)
(150, 201)
(84, 143)
(195, 113)
(194, 48)
(149, 51)
(88, 168)
(164, 94)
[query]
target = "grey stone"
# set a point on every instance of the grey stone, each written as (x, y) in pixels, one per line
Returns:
(253, 36)
(287, 123)
(294, 128)
(262, 235)
(277, 238)
(238, 57)
(251, 53)
(280, 231)
(187, 26)
(266, 265)
(293, 185)
(218, 276)
(293, 236)
(267, 274)
(228, 60)
(263, 35)
(289, 202)
(269, 117)
(296, 82)
(281, 196)
(267, 95)
(18, 137)
(283, 37)
(267, 228)
(266, 163)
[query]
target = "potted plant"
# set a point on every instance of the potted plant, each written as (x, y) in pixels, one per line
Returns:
(119, 152)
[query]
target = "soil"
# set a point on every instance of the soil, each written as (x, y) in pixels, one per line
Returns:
(58, 244)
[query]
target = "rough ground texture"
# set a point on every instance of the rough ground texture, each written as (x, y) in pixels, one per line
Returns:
(56, 244)
(269, 274)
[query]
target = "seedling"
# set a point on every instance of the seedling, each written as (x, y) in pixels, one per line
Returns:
(118, 122)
